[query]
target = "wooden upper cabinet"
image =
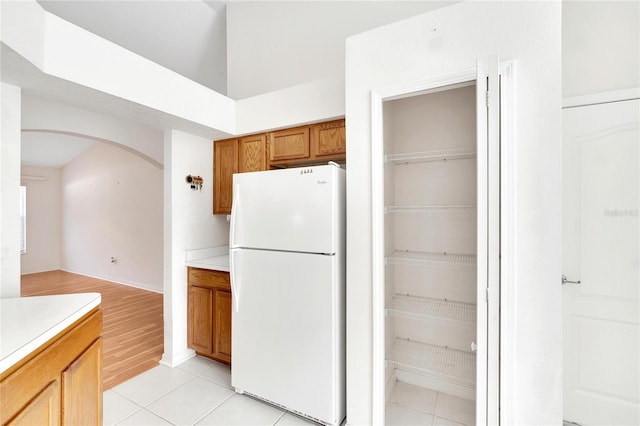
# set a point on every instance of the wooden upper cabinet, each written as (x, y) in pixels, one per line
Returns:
(225, 164)
(329, 139)
(238, 155)
(294, 147)
(289, 144)
(252, 153)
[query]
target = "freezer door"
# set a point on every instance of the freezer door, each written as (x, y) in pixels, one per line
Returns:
(287, 331)
(291, 210)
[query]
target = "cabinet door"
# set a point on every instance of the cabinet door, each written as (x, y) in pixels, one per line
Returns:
(222, 326)
(225, 164)
(44, 409)
(82, 387)
(329, 139)
(252, 153)
(200, 328)
(289, 144)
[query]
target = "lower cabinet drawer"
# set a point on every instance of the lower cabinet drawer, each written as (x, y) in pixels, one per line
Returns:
(209, 279)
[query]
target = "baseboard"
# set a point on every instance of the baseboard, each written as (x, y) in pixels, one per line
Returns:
(435, 384)
(129, 284)
(178, 359)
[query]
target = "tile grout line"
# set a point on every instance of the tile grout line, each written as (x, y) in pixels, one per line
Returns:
(161, 396)
(214, 408)
(435, 408)
(122, 420)
(279, 418)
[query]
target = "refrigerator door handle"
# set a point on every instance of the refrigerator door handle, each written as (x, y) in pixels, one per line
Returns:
(235, 284)
(235, 201)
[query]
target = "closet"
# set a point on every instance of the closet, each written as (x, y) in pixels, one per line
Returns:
(436, 224)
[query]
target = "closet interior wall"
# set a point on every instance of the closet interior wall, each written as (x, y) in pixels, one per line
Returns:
(430, 240)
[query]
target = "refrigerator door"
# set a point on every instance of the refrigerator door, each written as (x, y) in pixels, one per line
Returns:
(288, 347)
(289, 210)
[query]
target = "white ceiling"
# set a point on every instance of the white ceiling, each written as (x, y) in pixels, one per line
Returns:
(186, 36)
(51, 149)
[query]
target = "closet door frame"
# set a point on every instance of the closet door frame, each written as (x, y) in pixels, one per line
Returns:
(491, 374)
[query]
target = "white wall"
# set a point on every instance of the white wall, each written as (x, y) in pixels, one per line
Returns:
(44, 242)
(189, 224)
(10, 191)
(112, 206)
(439, 43)
(277, 44)
(318, 100)
(600, 46)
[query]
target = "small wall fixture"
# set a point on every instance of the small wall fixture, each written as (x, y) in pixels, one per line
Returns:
(195, 182)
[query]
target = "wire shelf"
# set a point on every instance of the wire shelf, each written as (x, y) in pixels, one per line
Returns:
(437, 155)
(438, 362)
(431, 259)
(429, 209)
(459, 314)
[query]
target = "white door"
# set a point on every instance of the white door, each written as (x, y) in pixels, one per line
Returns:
(488, 246)
(600, 249)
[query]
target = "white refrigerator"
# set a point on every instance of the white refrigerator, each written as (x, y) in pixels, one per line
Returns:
(287, 264)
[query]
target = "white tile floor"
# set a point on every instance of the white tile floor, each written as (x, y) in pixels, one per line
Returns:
(197, 392)
(413, 405)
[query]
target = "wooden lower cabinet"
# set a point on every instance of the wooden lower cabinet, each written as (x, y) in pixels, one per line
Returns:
(209, 313)
(78, 398)
(44, 409)
(200, 322)
(60, 383)
(222, 325)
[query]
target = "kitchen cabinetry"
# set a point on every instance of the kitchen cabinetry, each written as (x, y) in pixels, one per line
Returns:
(238, 155)
(61, 382)
(305, 145)
(329, 140)
(289, 145)
(209, 313)
(314, 144)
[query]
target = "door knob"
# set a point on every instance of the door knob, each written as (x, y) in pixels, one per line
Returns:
(566, 281)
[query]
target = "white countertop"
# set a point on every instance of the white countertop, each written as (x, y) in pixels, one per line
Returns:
(26, 323)
(214, 258)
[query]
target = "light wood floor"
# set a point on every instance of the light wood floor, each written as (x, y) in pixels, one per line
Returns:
(133, 325)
